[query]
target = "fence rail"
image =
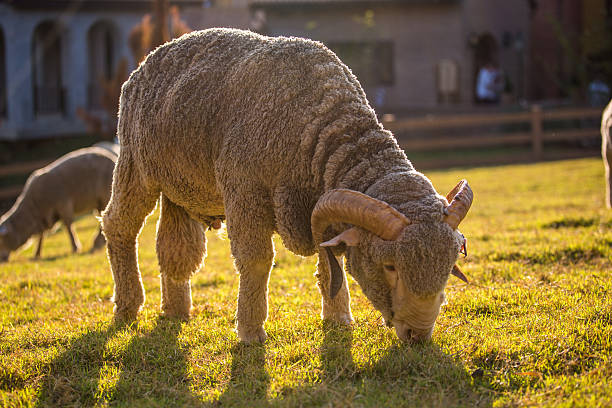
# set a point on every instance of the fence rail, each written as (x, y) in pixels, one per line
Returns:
(403, 128)
(535, 118)
(17, 169)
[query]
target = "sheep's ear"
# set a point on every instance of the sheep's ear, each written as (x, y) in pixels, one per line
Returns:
(337, 275)
(457, 272)
(350, 237)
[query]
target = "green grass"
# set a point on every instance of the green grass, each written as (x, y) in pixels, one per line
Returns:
(534, 328)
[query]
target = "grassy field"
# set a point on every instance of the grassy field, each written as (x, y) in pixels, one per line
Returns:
(534, 327)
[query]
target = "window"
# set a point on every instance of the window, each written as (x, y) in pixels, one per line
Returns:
(371, 61)
(101, 49)
(47, 69)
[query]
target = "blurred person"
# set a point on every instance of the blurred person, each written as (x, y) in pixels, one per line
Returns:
(489, 84)
(598, 92)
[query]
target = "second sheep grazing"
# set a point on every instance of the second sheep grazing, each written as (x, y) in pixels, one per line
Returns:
(274, 135)
(76, 183)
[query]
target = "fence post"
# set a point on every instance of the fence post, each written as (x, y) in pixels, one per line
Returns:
(536, 130)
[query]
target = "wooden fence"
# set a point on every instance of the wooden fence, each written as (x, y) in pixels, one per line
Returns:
(407, 130)
(408, 133)
(22, 168)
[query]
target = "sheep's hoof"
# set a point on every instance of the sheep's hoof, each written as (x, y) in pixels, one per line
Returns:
(125, 316)
(176, 314)
(340, 318)
(257, 335)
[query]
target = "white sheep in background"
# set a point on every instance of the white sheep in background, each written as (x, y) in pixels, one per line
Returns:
(274, 135)
(606, 150)
(74, 184)
(110, 146)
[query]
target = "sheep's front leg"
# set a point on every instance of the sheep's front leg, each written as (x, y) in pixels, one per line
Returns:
(253, 294)
(181, 248)
(250, 224)
(337, 309)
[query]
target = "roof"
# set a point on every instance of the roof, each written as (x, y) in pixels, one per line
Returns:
(90, 4)
(272, 3)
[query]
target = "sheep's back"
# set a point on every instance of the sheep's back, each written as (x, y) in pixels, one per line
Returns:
(272, 105)
(82, 178)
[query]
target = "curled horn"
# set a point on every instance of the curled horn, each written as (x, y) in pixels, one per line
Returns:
(353, 207)
(460, 199)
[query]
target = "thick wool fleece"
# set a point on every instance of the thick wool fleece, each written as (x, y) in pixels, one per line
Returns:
(77, 183)
(228, 124)
(606, 150)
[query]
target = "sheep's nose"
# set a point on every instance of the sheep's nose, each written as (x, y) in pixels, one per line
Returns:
(404, 333)
(409, 335)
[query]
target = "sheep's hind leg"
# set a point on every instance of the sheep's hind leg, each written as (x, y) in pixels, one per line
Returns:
(122, 220)
(39, 246)
(74, 240)
(250, 225)
(181, 248)
(99, 241)
(337, 309)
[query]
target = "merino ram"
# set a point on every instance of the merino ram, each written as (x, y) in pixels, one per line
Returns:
(77, 183)
(274, 135)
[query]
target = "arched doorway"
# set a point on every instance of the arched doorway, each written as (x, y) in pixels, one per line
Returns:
(486, 51)
(49, 93)
(102, 50)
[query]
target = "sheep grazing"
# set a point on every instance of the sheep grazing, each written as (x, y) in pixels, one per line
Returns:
(606, 150)
(74, 184)
(274, 135)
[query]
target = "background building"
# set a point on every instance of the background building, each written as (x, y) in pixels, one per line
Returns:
(571, 47)
(410, 55)
(53, 53)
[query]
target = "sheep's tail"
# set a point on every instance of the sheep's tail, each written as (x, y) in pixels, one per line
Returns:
(124, 114)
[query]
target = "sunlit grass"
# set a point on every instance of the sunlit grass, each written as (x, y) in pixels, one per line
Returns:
(533, 328)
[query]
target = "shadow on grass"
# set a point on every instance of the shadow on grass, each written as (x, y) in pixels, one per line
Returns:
(72, 377)
(64, 255)
(423, 375)
(249, 380)
(402, 375)
(154, 369)
(150, 370)
(336, 358)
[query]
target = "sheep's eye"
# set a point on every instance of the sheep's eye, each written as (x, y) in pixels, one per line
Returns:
(391, 275)
(389, 267)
